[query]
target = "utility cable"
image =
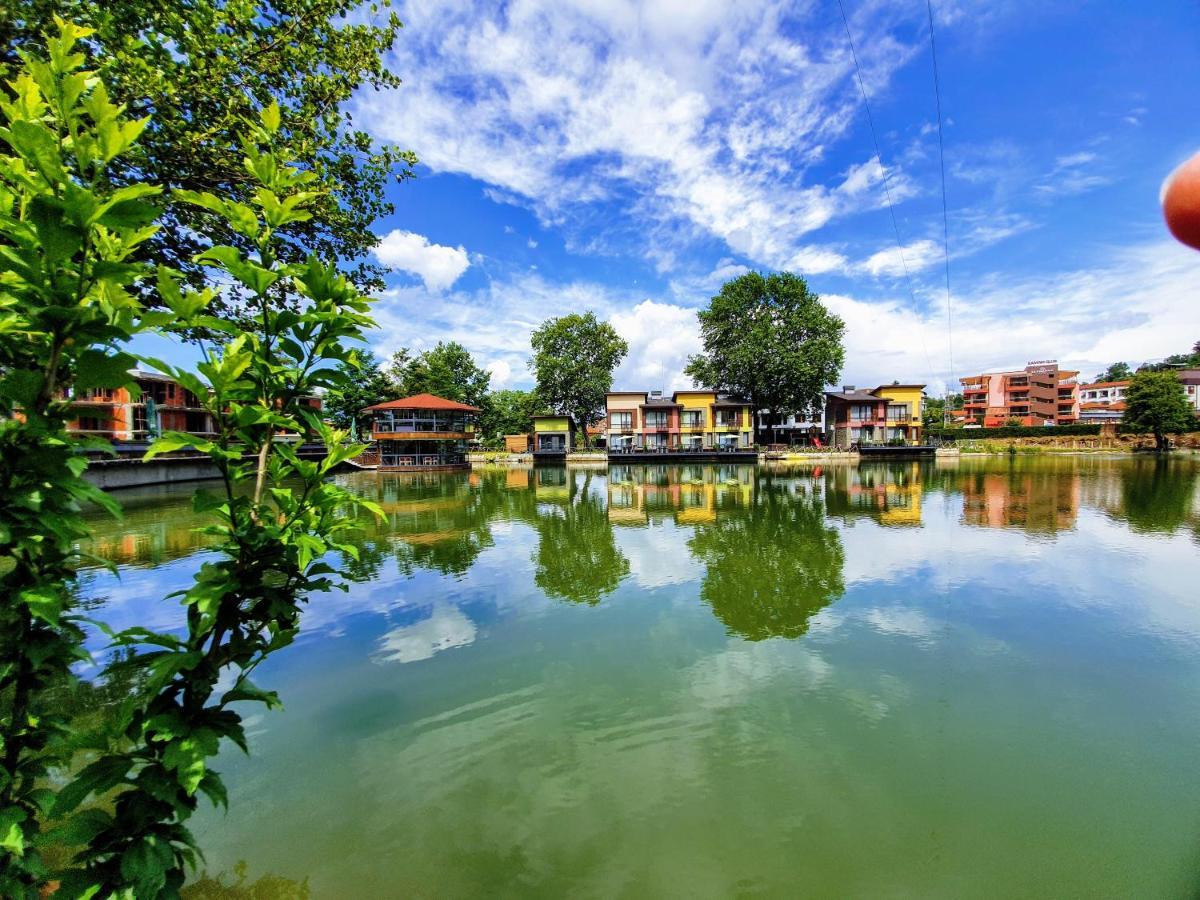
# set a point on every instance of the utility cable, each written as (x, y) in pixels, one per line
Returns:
(937, 93)
(887, 190)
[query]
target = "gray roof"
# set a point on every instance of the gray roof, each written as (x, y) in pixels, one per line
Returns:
(856, 397)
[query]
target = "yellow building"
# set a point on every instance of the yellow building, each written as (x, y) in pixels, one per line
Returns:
(707, 421)
(904, 411)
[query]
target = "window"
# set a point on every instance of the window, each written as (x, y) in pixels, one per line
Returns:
(620, 420)
(897, 411)
(862, 411)
(727, 419)
(693, 418)
(656, 420)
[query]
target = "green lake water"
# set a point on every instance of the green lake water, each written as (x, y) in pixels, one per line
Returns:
(975, 678)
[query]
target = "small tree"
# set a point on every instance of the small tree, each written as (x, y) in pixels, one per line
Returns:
(573, 360)
(1157, 403)
(68, 242)
(771, 340)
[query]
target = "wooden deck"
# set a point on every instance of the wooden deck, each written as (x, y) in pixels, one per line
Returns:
(885, 452)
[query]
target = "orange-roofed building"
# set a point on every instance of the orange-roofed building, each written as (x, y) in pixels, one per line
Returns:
(423, 432)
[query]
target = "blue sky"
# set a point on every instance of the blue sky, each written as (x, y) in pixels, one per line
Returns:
(627, 157)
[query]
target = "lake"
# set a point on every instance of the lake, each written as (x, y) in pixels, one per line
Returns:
(962, 678)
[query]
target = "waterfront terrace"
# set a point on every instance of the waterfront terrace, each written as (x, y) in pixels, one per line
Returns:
(422, 432)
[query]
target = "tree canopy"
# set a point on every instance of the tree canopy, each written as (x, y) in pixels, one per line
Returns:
(201, 67)
(448, 370)
(573, 361)
(365, 385)
(1176, 361)
(768, 338)
(508, 412)
(1118, 371)
(1156, 402)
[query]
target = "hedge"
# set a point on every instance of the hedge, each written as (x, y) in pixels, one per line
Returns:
(968, 434)
(952, 434)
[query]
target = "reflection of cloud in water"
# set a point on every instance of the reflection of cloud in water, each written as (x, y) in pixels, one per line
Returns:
(911, 623)
(446, 628)
(725, 679)
(658, 556)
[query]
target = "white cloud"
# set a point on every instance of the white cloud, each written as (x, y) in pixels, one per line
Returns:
(661, 336)
(1074, 173)
(438, 266)
(531, 244)
(916, 256)
(501, 372)
(561, 104)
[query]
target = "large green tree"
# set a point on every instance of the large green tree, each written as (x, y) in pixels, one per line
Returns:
(448, 370)
(509, 412)
(573, 361)
(1156, 402)
(199, 68)
(363, 386)
(768, 338)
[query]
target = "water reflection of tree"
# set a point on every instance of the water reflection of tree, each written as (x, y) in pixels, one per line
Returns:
(772, 566)
(1159, 495)
(239, 887)
(577, 557)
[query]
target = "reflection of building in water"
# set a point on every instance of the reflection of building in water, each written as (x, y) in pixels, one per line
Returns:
(130, 542)
(688, 494)
(889, 493)
(1033, 501)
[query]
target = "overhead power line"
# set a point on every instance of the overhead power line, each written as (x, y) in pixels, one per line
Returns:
(887, 189)
(937, 93)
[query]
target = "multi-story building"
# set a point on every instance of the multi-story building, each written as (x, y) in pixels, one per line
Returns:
(160, 404)
(1039, 394)
(163, 405)
(1102, 401)
(1191, 386)
(693, 420)
(792, 428)
(888, 414)
(422, 432)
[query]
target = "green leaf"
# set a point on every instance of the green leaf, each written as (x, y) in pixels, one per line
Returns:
(251, 274)
(12, 835)
(98, 369)
(247, 691)
(102, 775)
(21, 385)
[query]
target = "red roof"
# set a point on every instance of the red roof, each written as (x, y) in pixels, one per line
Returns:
(424, 401)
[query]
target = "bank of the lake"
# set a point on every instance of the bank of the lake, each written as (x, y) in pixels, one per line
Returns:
(965, 677)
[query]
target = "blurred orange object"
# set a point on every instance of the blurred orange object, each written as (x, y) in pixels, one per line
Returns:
(1181, 202)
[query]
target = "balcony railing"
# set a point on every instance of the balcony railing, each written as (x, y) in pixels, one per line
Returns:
(409, 460)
